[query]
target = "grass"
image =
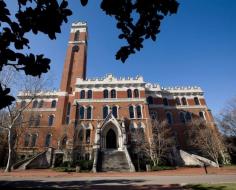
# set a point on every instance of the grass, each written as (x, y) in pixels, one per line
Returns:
(64, 169)
(223, 186)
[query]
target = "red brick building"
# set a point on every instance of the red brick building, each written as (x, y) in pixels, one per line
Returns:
(87, 116)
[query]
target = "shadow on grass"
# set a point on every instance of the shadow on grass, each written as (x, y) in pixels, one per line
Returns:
(86, 185)
(211, 187)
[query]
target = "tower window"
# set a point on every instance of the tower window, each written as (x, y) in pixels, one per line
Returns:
(23, 104)
(188, 116)
(89, 113)
(81, 135)
(105, 112)
(77, 115)
(50, 120)
(87, 135)
(63, 142)
(139, 112)
(165, 101)
(131, 112)
(35, 104)
(37, 121)
(82, 94)
(153, 115)
(184, 101)
(113, 93)
(33, 140)
(114, 111)
(68, 114)
(169, 118)
(90, 94)
(48, 140)
(196, 101)
(201, 115)
(105, 94)
(177, 101)
(81, 112)
(129, 93)
(53, 104)
(150, 100)
(182, 117)
(41, 104)
(136, 93)
(27, 140)
(77, 34)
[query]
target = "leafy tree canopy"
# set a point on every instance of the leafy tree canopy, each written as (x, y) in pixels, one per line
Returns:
(136, 19)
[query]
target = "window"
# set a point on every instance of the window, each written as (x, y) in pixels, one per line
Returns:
(31, 120)
(77, 115)
(136, 93)
(37, 121)
(165, 101)
(90, 94)
(81, 135)
(48, 140)
(169, 118)
(33, 140)
(63, 142)
(77, 33)
(87, 156)
(129, 93)
(188, 116)
(196, 101)
(87, 136)
(105, 112)
(113, 93)
(182, 117)
(89, 113)
(68, 114)
(139, 112)
(105, 94)
(201, 115)
(35, 104)
(27, 140)
(184, 101)
(114, 111)
(150, 100)
(41, 104)
(153, 115)
(131, 112)
(50, 120)
(177, 101)
(82, 94)
(23, 104)
(81, 112)
(53, 104)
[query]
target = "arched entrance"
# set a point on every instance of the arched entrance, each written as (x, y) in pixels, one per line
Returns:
(111, 142)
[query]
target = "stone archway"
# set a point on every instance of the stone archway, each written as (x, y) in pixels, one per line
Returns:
(111, 139)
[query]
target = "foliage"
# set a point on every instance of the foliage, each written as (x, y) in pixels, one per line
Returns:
(222, 186)
(85, 164)
(159, 168)
(138, 20)
(64, 169)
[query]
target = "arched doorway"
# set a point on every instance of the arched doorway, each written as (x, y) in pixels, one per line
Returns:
(111, 142)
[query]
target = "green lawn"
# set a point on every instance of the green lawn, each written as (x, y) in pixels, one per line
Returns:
(223, 186)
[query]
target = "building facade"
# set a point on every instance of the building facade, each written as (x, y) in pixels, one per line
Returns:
(88, 117)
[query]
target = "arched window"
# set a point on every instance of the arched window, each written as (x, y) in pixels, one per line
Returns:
(23, 104)
(114, 111)
(105, 112)
(63, 142)
(113, 93)
(48, 140)
(74, 49)
(89, 112)
(201, 115)
(129, 93)
(81, 112)
(82, 94)
(31, 120)
(41, 104)
(196, 101)
(68, 113)
(50, 120)
(184, 101)
(153, 115)
(27, 140)
(90, 94)
(35, 104)
(81, 135)
(105, 93)
(182, 117)
(177, 101)
(169, 118)
(139, 111)
(87, 136)
(150, 100)
(33, 140)
(131, 112)
(53, 104)
(136, 93)
(165, 101)
(77, 33)
(37, 121)
(188, 116)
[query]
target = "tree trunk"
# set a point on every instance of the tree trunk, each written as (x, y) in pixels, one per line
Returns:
(9, 160)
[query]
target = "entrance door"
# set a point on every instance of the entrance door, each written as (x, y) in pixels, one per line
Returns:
(111, 139)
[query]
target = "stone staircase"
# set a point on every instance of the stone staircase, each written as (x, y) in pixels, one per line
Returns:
(113, 160)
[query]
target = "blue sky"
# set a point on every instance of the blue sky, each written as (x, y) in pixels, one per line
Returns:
(197, 46)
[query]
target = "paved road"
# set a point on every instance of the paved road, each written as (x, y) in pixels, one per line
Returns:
(138, 182)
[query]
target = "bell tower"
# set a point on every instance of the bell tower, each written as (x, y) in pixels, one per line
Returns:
(76, 57)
